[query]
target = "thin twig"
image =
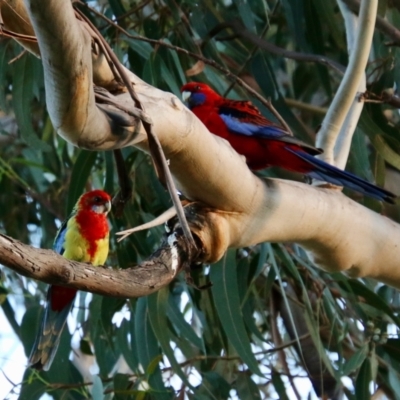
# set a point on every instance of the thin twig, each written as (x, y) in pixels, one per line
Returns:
(125, 185)
(270, 107)
(381, 23)
(105, 97)
(384, 97)
(263, 44)
(133, 10)
(189, 361)
(15, 35)
(277, 339)
(154, 144)
(246, 61)
(17, 57)
(211, 63)
(305, 106)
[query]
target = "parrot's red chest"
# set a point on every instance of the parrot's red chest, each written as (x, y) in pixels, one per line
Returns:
(93, 227)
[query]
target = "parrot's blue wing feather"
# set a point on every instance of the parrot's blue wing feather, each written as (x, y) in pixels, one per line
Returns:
(59, 240)
(250, 129)
(58, 244)
(329, 173)
(267, 131)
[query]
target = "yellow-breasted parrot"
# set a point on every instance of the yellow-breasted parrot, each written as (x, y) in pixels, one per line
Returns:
(84, 237)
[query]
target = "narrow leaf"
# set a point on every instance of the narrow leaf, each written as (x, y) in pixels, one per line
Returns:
(185, 330)
(25, 73)
(372, 299)
(147, 348)
(246, 388)
(355, 360)
(97, 388)
(394, 381)
(363, 380)
(279, 386)
(127, 349)
(226, 299)
(157, 306)
(376, 135)
(142, 48)
(80, 174)
(178, 66)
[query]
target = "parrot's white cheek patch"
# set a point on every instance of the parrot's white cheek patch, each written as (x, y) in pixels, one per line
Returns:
(101, 209)
(98, 209)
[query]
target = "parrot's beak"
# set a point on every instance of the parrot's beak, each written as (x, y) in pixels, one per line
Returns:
(102, 208)
(107, 207)
(186, 95)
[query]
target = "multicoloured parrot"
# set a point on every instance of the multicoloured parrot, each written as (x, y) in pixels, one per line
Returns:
(84, 237)
(265, 144)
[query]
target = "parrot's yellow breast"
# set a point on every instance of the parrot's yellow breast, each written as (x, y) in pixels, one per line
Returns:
(78, 248)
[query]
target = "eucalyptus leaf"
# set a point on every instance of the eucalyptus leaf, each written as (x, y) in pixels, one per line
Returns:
(227, 303)
(80, 174)
(25, 78)
(157, 307)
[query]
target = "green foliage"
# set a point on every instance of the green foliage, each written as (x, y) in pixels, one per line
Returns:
(270, 314)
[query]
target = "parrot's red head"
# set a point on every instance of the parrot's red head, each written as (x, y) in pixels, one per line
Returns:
(198, 94)
(95, 200)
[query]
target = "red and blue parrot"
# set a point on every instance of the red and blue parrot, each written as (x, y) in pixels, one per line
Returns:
(84, 237)
(265, 144)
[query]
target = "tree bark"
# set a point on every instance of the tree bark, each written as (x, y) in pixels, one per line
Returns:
(48, 266)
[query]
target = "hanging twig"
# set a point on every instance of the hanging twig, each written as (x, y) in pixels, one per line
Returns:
(241, 31)
(125, 193)
(154, 144)
(212, 63)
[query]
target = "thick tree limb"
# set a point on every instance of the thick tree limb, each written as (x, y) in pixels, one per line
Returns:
(346, 132)
(50, 267)
(234, 208)
(65, 48)
(347, 91)
(341, 235)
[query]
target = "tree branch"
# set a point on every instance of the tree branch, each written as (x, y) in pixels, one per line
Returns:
(381, 23)
(347, 92)
(345, 136)
(48, 266)
(242, 32)
(69, 79)
(16, 20)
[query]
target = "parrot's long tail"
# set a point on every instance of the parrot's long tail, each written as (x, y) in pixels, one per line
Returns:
(328, 173)
(59, 304)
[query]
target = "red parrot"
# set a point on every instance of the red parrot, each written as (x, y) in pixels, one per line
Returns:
(84, 237)
(265, 144)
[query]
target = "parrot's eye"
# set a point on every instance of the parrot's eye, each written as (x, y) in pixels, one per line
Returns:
(98, 199)
(197, 87)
